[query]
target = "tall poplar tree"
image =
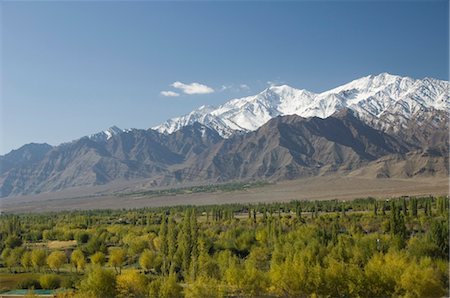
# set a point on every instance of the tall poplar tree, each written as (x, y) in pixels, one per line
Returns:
(185, 244)
(164, 246)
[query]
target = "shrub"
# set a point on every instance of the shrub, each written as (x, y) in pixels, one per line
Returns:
(50, 281)
(29, 283)
(82, 237)
(69, 282)
(13, 241)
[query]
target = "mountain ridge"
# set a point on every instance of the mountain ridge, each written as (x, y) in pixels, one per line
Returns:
(286, 147)
(372, 97)
(384, 126)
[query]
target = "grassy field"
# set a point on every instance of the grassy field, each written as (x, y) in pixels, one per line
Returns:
(9, 281)
(58, 245)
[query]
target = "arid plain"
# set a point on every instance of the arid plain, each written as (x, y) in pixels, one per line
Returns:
(317, 188)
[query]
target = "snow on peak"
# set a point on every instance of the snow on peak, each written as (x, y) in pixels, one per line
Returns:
(113, 130)
(106, 134)
(370, 97)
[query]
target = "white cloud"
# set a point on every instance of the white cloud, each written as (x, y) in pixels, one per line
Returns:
(234, 88)
(224, 87)
(274, 83)
(193, 88)
(169, 93)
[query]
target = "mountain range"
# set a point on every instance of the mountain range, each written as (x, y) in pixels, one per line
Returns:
(385, 101)
(383, 125)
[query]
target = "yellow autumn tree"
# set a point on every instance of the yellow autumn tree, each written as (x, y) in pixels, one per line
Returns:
(130, 283)
(56, 259)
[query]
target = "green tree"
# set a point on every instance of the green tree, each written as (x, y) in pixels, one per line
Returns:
(339, 279)
(38, 258)
(383, 272)
(427, 207)
(77, 259)
(185, 244)
(154, 287)
(148, 260)
(422, 280)
(13, 241)
(165, 287)
(293, 277)
(298, 209)
(171, 239)
(233, 277)
(194, 246)
(405, 208)
(413, 206)
(56, 259)
(397, 223)
(98, 258)
(82, 237)
(439, 235)
(14, 257)
(375, 208)
(164, 249)
(95, 244)
(170, 288)
(205, 287)
(117, 258)
(254, 281)
(442, 205)
(206, 266)
(99, 283)
(26, 260)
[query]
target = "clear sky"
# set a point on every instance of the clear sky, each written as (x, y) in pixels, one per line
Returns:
(70, 69)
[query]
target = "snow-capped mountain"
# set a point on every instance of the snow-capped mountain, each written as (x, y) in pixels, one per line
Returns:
(106, 134)
(386, 101)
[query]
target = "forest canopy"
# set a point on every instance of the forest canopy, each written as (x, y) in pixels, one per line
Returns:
(363, 247)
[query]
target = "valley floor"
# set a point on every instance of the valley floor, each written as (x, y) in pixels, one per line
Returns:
(316, 188)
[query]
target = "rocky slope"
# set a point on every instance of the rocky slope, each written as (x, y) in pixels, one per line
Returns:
(291, 146)
(27, 154)
(125, 156)
(286, 147)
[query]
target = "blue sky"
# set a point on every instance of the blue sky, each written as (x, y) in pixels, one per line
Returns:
(69, 69)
